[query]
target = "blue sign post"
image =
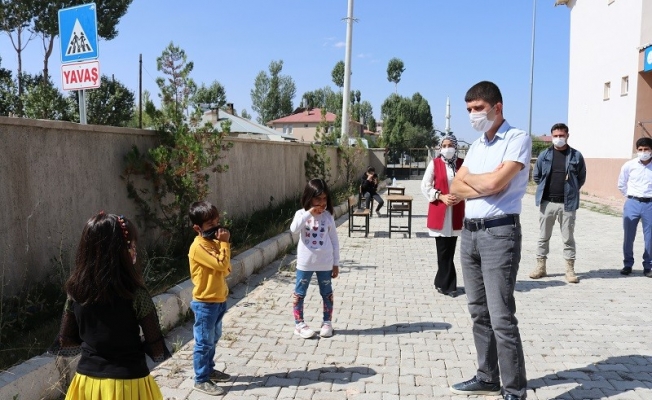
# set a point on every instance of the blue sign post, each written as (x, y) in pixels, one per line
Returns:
(647, 59)
(78, 33)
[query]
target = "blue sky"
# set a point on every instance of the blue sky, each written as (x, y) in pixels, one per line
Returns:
(446, 47)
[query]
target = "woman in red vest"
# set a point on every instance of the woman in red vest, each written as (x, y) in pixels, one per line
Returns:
(445, 212)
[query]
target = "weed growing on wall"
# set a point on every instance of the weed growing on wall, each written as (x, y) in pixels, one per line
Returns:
(165, 180)
(353, 158)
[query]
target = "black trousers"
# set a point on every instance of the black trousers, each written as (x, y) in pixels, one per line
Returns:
(446, 278)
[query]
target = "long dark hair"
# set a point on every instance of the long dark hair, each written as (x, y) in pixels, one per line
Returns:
(104, 268)
(314, 188)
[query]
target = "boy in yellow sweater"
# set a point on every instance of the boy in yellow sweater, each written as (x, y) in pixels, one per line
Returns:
(210, 264)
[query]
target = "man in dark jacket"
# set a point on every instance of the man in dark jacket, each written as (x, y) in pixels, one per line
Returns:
(559, 173)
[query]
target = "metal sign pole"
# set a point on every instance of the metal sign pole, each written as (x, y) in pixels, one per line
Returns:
(82, 106)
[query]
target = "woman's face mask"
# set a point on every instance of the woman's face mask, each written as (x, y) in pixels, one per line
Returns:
(448, 152)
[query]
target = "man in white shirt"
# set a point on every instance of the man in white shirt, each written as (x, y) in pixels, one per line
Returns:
(493, 180)
(635, 182)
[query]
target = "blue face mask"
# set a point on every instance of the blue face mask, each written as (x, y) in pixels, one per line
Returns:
(210, 233)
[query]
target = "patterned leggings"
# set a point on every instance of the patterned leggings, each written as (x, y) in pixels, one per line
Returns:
(325, 289)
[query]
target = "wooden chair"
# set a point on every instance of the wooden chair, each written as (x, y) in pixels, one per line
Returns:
(355, 212)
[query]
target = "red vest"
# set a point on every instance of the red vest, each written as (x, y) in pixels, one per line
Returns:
(437, 209)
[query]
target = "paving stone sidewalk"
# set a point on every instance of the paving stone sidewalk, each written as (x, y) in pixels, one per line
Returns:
(396, 338)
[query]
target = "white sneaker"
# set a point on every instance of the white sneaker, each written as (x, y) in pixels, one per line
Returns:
(326, 330)
(302, 330)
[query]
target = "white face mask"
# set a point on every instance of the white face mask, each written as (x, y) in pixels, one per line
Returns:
(448, 152)
(559, 141)
(644, 155)
(480, 122)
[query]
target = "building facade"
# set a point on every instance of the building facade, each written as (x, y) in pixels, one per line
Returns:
(610, 92)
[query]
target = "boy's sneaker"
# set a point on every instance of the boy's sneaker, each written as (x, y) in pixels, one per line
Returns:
(210, 388)
(219, 376)
(476, 386)
(326, 330)
(302, 330)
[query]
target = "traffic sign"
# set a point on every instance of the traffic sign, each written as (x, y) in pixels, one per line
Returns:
(81, 75)
(78, 33)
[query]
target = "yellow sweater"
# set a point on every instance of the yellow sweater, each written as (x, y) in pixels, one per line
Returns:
(210, 264)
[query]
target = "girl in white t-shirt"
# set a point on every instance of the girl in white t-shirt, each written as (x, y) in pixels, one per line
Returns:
(318, 252)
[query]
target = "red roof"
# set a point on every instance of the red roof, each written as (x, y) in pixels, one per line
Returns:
(312, 115)
(545, 138)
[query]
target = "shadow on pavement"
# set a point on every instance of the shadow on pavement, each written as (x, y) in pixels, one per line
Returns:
(526, 286)
(397, 329)
(334, 375)
(611, 376)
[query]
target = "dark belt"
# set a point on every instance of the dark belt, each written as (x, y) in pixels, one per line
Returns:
(477, 224)
(555, 199)
(641, 199)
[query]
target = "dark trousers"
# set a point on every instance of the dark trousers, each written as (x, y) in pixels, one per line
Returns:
(490, 260)
(446, 278)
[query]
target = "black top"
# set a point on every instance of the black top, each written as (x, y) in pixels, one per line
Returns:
(369, 187)
(108, 336)
(557, 178)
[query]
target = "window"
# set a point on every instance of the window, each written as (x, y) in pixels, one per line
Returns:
(607, 90)
(287, 129)
(624, 86)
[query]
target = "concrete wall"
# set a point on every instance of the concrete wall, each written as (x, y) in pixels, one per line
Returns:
(55, 175)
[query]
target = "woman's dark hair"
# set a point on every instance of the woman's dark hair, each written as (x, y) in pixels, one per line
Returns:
(103, 265)
(314, 188)
(485, 91)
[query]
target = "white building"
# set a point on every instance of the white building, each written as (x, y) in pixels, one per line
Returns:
(610, 91)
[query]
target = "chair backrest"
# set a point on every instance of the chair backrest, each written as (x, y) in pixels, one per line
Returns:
(351, 202)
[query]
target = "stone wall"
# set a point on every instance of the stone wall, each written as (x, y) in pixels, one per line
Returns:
(55, 175)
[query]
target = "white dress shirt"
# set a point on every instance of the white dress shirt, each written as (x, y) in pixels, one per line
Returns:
(635, 179)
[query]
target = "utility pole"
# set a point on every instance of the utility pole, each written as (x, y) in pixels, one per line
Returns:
(140, 91)
(347, 75)
(534, 24)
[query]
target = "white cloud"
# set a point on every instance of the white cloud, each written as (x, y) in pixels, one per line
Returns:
(339, 44)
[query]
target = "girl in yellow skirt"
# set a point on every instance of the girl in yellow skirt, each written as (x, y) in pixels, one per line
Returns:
(107, 306)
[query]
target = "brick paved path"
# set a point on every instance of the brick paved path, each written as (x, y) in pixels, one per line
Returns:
(396, 338)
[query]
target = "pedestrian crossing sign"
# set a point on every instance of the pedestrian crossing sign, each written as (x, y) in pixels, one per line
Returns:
(78, 33)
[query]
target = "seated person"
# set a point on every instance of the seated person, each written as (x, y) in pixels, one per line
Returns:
(369, 189)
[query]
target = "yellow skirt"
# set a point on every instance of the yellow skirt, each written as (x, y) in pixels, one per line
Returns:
(85, 387)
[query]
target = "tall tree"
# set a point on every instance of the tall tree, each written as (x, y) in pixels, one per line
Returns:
(16, 18)
(214, 94)
(272, 94)
(338, 74)
(46, 22)
(43, 100)
(395, 69)
(244, 114)
(177, 87)
(111, 104)
(407, 122)
(324, 98)
(7, 92)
